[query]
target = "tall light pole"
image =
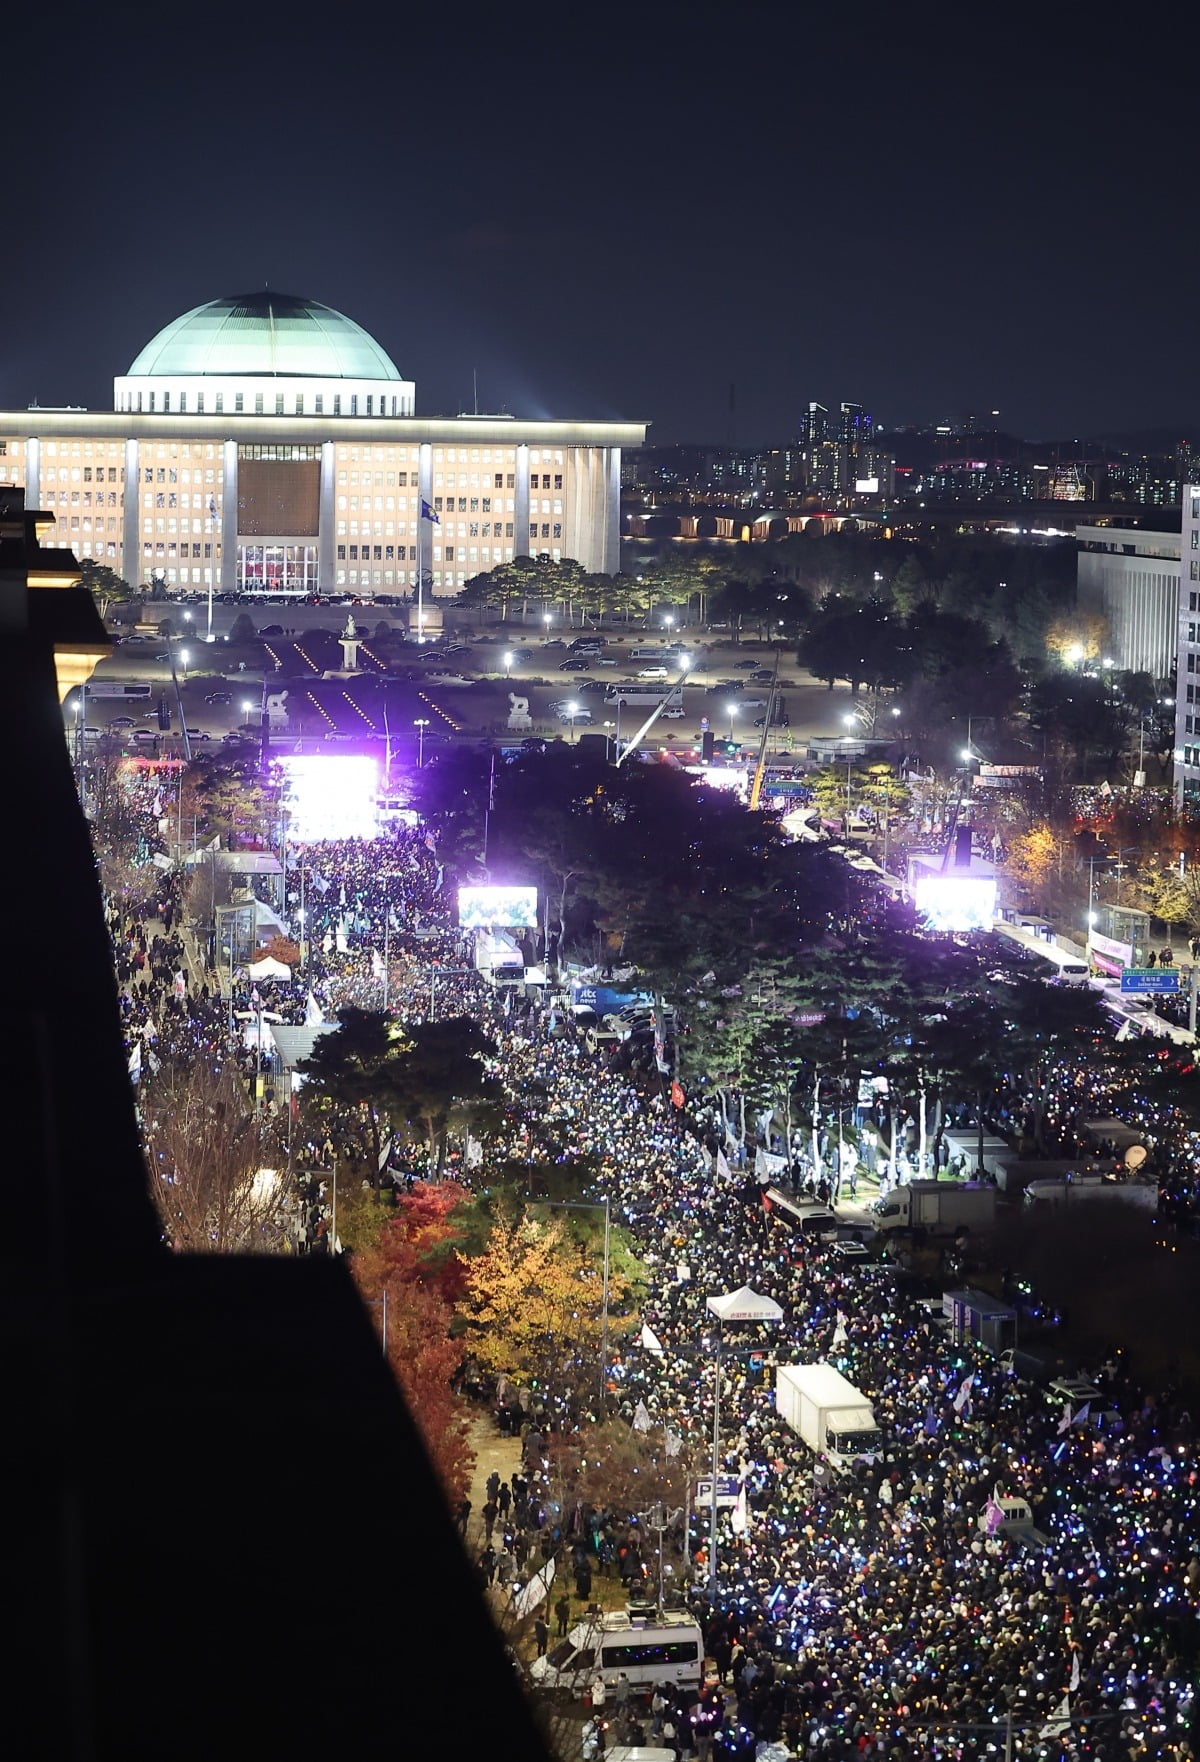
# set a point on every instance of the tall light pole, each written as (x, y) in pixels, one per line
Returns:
(733, 1306)
(508, 665)
(572, 711)
(421, 724)
(733, 710)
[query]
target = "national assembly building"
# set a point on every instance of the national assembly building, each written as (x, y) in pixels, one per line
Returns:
(269, 444)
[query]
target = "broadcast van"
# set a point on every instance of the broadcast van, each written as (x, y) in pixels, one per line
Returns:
(651, 1650)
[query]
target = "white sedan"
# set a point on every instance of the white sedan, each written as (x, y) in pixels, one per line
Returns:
(653, 673)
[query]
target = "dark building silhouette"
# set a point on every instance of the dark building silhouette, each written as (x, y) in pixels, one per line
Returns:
(224, 1539)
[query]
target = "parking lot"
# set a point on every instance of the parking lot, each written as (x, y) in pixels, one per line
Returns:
(459, 685)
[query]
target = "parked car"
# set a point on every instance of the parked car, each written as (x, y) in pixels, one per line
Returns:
(554, 642)
(218, 697)
(653, 673)
(121, 722)
(574, 664)
(745, 665)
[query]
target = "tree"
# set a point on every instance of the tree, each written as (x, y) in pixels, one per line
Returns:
(414, 1262)
(206, 1154)
(353, 1067)
(1077, 637)
(106, 587)
(226, 798)
(437, 1070)
(533, 1308)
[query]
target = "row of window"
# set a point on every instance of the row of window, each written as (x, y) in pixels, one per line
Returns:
(169, 525)
(154, 402)
(468, 504)
(391, 552)
(50, 496)
(172, 549)
(168, 474)
(1191, 755)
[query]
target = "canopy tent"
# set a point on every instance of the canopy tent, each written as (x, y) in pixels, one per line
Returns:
(294, 1044)
(745, 1306)
(269, 968)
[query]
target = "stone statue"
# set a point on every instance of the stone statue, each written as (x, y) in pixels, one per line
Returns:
(518, 712)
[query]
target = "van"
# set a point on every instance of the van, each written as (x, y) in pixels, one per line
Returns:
(657, 653)
(650, 1650)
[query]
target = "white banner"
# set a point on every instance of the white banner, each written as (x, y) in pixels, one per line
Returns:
(535, 1592)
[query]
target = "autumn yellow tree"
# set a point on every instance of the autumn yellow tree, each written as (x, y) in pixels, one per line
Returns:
(1168, 895)
(1077, 638)
(1036, 855)
(533, 1306)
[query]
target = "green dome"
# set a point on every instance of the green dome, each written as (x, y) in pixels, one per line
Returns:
(267, 334)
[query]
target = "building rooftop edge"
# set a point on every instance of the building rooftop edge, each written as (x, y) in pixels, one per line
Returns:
(37, 423)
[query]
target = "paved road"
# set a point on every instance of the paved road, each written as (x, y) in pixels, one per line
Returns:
(463, 694)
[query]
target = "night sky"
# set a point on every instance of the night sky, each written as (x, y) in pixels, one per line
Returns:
(621, 211)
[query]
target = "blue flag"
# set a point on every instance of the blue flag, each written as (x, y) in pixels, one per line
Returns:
(427, 512)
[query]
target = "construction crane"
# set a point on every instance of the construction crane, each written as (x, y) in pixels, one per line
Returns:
(760, 768)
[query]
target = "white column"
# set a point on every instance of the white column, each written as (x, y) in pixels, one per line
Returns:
(131, 517)
(425, 528)
(611, 564)
(226, 565)
(327, 521)
(33, 472)
(522, 544)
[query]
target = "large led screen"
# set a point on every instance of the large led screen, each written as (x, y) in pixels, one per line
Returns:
(956, 902)
(330, 795)
(497, 908)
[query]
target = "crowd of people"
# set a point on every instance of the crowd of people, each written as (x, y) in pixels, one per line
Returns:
(884, 1608)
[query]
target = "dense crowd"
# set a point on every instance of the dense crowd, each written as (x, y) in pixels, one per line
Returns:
(880, 1610)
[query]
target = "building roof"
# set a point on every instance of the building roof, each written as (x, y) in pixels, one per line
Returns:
(264, 334)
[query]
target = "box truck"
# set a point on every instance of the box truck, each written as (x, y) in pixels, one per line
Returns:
(940, 1207)
(828, 1412)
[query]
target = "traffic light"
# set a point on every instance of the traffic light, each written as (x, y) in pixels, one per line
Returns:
(164, 714)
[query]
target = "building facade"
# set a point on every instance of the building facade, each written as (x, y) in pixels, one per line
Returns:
(1187, 688)
(269, 444)
(1131, 579)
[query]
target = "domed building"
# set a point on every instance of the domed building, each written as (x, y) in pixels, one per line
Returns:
(264, 354)
(267, 443)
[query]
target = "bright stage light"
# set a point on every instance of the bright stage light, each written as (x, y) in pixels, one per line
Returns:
(956, 902)
(331, 795)
(497, 908)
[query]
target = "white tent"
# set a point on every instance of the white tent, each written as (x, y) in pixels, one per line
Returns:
(745, 1306)
(269, 968)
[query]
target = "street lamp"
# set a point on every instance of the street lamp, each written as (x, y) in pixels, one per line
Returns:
(733, 1306)
(247, 707)
(547, 620)
(421, 724)
(183, 662)
(669, 622)
(508, 665)
(733, 710)
(572, 710)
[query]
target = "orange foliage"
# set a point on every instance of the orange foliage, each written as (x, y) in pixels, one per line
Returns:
(415, 1263)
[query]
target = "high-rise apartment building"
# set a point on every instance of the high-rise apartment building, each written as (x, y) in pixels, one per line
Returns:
(268, 443)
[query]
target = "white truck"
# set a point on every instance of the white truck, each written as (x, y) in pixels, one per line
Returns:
(940, 1207)
(828, 1412)
(651, 1651)
(1075, 1189)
